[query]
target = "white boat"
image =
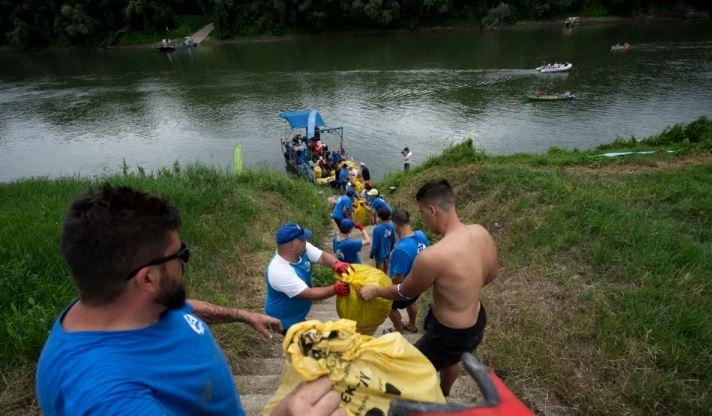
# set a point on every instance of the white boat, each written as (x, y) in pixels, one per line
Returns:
(555, 68)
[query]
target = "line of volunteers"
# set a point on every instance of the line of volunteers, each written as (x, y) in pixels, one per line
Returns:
(133, 344)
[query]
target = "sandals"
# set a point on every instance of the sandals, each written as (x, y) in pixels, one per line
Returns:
(388, 330)
(410, 327)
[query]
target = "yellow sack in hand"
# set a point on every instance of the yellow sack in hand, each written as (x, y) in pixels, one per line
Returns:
(362, 214)
(368, 315)
(367, 372)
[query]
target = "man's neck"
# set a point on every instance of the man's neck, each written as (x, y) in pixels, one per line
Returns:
(407, 232)
(290, 257)
(116, 316)
(450, 223)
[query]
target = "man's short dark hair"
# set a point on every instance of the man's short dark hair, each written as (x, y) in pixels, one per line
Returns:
(437, 192)
(383, 213)
(108, 233)
(400, 217)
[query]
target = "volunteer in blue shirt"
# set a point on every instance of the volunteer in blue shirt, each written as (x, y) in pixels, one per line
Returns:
(384, 238)
(343, 177)
(410, 243)
(132, 344)
(347, 249)
(377, 202)
(343, 207)
(289, 276)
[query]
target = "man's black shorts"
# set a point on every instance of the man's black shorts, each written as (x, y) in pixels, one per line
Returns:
(444, 346)
(402, 304)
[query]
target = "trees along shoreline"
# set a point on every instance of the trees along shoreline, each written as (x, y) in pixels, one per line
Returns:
(37, 24)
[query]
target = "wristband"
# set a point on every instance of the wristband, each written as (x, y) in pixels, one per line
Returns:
(401, 294)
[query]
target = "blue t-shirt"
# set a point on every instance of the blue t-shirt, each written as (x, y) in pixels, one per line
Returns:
(344, 202)
(279, 305)
(384, 238)
(343, 176)
(379, 203)
(404, 253)
(171, 367)
(347, 250)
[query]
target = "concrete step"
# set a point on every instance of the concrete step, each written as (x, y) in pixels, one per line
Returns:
(271, 348)
(254, 403)
(324, 308)
(264, 366)
(323, 316)
(256, 384)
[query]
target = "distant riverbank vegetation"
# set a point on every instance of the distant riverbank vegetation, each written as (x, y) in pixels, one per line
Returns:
(34, 24)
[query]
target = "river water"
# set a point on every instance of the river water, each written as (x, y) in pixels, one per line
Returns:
(67, 112)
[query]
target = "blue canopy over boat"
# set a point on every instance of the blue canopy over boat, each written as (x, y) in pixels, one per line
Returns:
(305, 118)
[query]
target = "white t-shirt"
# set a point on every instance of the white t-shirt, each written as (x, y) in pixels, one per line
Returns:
(406, 158)
(282, 277)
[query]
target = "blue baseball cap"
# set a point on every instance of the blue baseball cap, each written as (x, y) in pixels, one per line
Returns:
(288, 232)
(350, 193)
(346, 225)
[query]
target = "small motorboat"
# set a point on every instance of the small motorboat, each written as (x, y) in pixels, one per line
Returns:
(548, 68)
(537, 96)
(166, 45)
(618, 47)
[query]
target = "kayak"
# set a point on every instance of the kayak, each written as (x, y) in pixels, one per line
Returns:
(554, 97)
(555, 68)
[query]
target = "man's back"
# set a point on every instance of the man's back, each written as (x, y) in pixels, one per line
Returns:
(171, 367)
(462, 262)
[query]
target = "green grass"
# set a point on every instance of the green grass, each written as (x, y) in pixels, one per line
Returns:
(603, 302)
(229, 222)
(603, 305)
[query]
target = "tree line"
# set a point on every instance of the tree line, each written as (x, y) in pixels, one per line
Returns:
(35, 24)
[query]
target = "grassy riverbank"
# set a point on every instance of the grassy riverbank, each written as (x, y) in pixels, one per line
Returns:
(602, 306)
(603, 303)
(229, 222)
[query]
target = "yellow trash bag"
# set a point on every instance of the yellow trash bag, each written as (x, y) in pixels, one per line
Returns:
(368, 315)
(368, 372)
(358, 185)
(362, 214)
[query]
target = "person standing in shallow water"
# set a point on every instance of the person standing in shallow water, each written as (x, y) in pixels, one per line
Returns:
(407, 156)
(457, 268)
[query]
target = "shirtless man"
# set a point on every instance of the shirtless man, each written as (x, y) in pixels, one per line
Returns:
(457, 267)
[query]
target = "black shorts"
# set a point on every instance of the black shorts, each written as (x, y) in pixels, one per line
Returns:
(402, 304)
(444, 346)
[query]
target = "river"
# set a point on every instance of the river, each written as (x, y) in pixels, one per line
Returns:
(81, 112)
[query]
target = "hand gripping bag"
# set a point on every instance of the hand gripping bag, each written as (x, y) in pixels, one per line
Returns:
(368, 315)
(367, 372)
(362, 214)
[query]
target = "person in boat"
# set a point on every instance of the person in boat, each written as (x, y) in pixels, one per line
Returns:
(347, 249)
(365, 174)
(626, 45)
(536, 93)
(336, 158)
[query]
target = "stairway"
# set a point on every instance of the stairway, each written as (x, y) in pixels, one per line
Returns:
(258, 379)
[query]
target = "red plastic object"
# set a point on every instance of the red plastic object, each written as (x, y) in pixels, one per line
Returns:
(499, 400)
